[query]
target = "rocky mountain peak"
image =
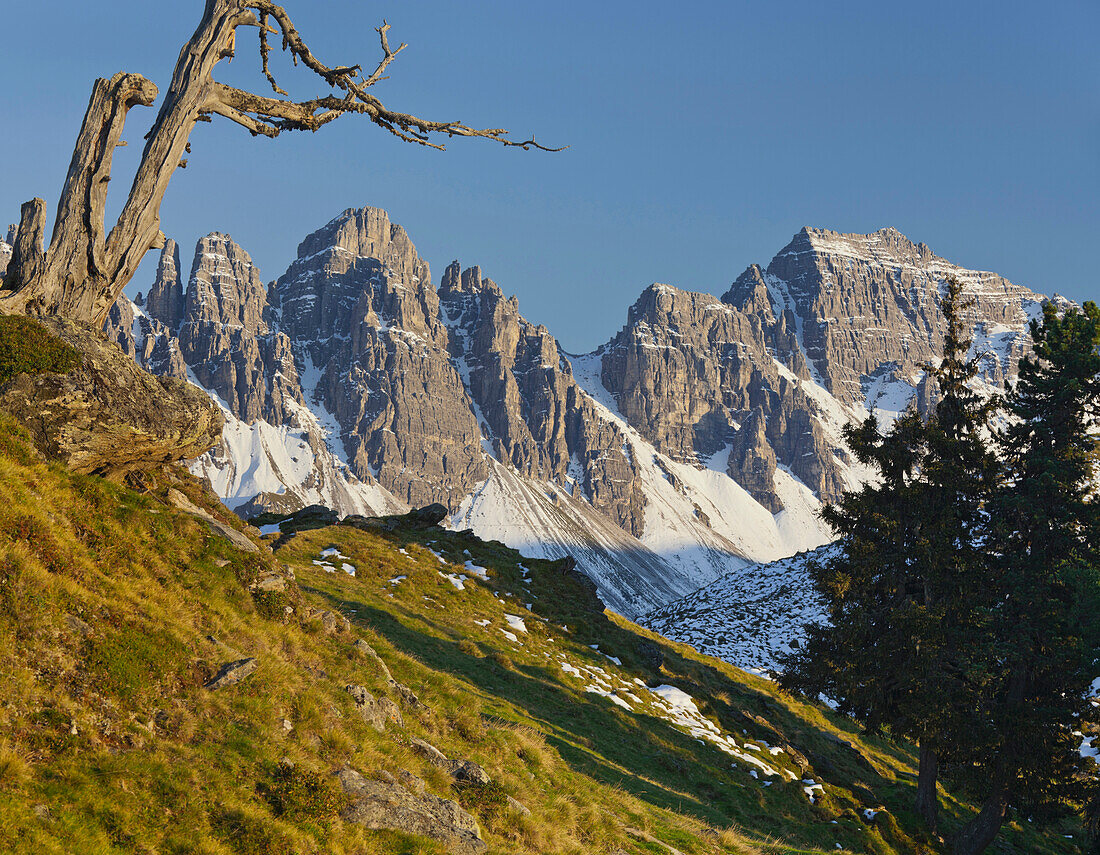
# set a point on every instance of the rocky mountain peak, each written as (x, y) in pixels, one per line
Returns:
(469, 281)
(225, 286)
(886, 245)
(358, 271)
(165, 301)
(749, 293)
(706, 429)
(368, 232)
(863, 301)
(666, 306)
(5, 256)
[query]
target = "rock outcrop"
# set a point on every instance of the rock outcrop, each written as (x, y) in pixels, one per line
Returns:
(752, 461)
(382, 805)
(377, 712)
(232, 673)
(226, 341)
(165, 301)
(145, 339)
(6, 246)
(108, 416)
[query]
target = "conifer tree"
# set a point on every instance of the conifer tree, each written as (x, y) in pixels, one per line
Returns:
(909, 616)
(1046, 539)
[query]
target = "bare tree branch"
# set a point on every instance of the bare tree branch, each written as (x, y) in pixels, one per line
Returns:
(82, 272)
(388, 55)
(403, 125)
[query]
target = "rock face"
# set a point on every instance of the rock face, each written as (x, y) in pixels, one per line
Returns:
(866, 304)
(225, 339)
(688, 370)
(701, 438)
(360, 307)
(532, 413)
(145, 339)
(108, 416)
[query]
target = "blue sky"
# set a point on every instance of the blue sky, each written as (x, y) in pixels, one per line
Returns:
(702, 136)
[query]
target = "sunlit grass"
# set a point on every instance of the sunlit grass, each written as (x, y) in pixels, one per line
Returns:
(115, 610)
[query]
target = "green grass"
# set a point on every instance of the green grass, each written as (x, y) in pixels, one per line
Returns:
(28, 347)
(115, 610)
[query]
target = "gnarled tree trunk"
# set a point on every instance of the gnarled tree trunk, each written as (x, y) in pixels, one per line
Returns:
(84, 269)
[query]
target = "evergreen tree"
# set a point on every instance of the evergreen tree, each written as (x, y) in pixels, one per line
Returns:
(908, 605)
(1046, 538)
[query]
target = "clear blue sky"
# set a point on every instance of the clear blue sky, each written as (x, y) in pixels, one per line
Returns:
(703, 135)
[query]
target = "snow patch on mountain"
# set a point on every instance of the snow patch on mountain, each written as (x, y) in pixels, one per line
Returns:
(291, 461)
(700, 519)
(749, 617)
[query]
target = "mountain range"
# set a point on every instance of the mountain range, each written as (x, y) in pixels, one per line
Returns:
(697, 442)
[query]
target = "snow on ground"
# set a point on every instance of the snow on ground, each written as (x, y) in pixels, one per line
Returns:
(677, 553)
(456, 580)
(749, 617)
(475, 570)
(679, 709)
(739, 527)
(516, 622)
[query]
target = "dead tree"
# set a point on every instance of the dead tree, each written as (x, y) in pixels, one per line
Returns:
(84, 269)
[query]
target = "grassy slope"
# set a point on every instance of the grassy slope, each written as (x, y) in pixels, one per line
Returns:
(109, 601)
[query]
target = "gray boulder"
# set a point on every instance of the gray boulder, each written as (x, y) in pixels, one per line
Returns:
(232, 673)
(382, 805)
(460, 770)
(377, 712)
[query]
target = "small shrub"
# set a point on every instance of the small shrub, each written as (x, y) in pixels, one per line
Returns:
(16, 442)
(27, 347)
(488, 801)
(298, 794)
(248, 569)
(468, 648)
(13, 768)
(131, 660)
(502, 660)
(271, 604)
(250, 835)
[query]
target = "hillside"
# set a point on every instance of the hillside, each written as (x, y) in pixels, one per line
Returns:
(121, 729)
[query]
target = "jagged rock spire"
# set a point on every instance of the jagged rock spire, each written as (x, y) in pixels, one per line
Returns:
(165, 299)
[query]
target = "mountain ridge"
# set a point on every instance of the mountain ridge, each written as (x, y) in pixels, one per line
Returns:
(704, 432)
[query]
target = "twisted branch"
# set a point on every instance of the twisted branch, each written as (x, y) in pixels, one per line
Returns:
(269, 117)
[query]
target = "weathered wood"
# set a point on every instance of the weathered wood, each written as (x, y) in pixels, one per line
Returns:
(82, 272)
(27, 255)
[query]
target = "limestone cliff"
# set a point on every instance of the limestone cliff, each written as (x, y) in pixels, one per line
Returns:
(704, 435)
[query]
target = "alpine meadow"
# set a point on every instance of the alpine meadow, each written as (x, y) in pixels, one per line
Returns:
(798, 560)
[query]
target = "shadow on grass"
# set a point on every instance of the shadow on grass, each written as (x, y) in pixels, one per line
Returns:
(643, 755)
